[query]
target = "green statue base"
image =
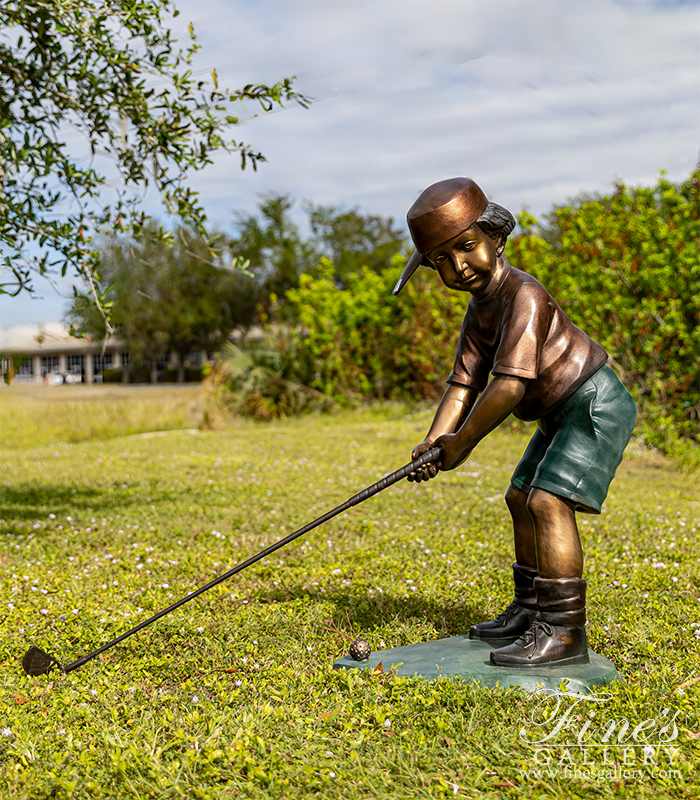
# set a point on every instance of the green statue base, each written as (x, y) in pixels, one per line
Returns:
(462, 657)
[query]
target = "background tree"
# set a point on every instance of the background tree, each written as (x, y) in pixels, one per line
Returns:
(163, 298)
(626, 268)
(110, 70)
(279, 253)
(351, 240)
(271, 243)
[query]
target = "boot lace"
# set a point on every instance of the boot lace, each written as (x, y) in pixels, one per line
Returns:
(511, 611)
(532, 635)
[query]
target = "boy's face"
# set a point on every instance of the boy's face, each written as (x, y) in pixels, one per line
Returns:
(467, 262)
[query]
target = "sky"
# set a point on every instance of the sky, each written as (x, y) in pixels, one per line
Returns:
(536, 100)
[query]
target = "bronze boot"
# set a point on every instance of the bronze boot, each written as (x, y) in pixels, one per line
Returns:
(558, 634)
(519, 615)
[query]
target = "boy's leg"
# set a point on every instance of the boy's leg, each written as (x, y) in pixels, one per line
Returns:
(584, 440)
(559, 553)
(524, 537)
(521, 612)
(558, 633)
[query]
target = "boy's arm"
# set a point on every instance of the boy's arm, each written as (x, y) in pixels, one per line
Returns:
(451, 413)
(498, 400)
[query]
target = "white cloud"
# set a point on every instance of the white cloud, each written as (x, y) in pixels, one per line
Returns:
(536, 100)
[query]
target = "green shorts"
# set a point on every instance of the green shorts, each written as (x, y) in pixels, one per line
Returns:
(578, 447)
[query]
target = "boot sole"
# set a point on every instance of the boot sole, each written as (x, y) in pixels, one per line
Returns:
(582, 659)
(490, 639)
(496, 642)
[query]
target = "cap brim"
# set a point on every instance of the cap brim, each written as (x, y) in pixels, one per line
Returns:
(413, 263)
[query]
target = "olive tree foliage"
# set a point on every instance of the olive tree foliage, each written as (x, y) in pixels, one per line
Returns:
(96, 95)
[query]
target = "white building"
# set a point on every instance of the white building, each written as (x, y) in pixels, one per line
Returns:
(49, 349)
(40, 352)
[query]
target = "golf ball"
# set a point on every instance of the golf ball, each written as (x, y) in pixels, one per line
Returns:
(360, 650)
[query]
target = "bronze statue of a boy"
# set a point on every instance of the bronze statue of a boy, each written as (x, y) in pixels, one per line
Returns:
(545, 369)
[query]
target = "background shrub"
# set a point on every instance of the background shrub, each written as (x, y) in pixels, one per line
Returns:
(624, 266)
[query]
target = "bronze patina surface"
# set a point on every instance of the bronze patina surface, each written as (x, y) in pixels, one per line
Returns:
(519, 353)
(443, 210)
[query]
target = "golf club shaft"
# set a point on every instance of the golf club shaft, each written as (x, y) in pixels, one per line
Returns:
(431, 455)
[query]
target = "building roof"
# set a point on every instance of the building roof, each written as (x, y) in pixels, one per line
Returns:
(45, 338)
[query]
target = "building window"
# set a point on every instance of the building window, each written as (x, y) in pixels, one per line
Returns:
(26, 367)
(126, 358)
(75, 365)
(49, 364)
(193, 358)
(101, 362)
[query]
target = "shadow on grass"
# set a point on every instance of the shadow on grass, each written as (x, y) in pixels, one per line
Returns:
(353, 614)
(38, 500)
(355, 611)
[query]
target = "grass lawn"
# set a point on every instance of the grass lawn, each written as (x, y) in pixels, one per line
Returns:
(234, 696)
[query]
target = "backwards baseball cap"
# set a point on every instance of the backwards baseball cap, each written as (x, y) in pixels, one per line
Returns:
(442, 211)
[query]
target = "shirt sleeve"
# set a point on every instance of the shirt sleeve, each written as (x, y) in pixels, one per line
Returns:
(471, 368)
(526, 321)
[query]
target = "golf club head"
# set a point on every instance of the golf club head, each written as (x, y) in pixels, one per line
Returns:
(37, 662)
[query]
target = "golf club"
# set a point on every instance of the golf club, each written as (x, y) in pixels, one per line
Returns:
(37, 662)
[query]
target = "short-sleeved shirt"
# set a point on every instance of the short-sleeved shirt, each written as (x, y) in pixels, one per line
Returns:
(520, 330)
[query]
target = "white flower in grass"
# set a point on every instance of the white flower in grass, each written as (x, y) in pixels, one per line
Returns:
(6, 732)
(238, 683)
(195, 699)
